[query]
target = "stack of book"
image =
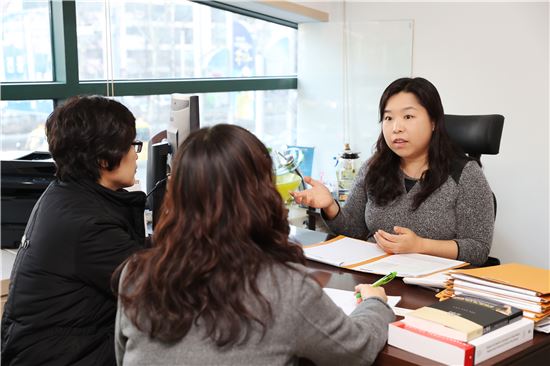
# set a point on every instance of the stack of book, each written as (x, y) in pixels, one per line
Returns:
(522, 286)
(461, 331)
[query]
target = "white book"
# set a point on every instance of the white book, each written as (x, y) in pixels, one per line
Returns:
(453, 352)
(502, 339)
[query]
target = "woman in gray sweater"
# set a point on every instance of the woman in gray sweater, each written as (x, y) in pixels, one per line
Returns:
(222, 285)
(418, 193)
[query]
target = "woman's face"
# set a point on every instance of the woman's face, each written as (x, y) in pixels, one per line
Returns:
(123, 175)
(406, 126)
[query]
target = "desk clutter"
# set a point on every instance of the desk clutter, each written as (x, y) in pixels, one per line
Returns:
(482, 313)
(518, 285)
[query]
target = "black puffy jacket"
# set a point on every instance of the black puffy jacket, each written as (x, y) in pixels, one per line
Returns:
(60, 308)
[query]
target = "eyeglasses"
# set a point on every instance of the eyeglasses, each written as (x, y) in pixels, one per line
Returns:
(138, 145)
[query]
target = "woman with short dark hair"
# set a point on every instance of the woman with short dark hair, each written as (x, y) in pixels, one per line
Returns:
(418, 193)
(60, 307)
(222, 284)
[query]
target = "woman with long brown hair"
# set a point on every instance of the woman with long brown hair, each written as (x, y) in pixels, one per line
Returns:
(418, 193)
(222, 284)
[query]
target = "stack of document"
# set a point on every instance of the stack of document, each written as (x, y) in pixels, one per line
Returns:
(433, 281)
(363, 256)
(518, 285)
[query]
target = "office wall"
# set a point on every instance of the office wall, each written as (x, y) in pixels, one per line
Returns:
(484, 58)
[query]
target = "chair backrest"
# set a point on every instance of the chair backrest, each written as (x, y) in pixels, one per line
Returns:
(477, 135)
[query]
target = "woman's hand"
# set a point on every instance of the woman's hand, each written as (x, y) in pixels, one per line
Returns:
(403, 241)
(369, 291)
(318, 196)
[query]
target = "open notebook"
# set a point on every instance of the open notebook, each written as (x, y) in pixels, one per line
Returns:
(359, 255)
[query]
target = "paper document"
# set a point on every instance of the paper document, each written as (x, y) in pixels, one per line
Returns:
(359, 255)
(496, 290)
(347, 302)
(543, 326)
(436, 280)
(409, 265)
(518, 303)
(343, 251)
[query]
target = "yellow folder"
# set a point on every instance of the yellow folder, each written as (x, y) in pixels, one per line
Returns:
(515, 275)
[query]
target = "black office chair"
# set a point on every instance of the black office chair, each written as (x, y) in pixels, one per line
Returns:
(477, 135)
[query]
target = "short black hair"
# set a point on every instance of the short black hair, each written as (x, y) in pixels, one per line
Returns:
(87, 133)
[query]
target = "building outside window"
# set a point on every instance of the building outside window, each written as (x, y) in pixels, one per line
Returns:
(143, 40)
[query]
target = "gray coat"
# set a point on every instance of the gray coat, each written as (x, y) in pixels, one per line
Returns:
(306, 323)
(461, 210)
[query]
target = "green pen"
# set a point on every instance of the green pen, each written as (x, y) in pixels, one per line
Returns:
(384, 280)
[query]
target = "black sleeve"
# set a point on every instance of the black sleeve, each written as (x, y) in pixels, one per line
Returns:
(101, 250)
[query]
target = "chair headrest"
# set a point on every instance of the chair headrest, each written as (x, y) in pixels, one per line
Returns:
(475, 134)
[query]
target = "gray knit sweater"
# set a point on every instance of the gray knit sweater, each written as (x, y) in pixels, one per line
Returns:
(463, 212)
(306, 323)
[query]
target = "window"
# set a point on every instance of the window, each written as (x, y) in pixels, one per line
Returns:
(26, 44)
(243, 68)
(23, 124)
(270, 115)
(180, 39)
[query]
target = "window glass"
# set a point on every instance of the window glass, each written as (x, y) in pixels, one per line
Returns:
(270, 115)
(26, 41)
(23, 124)
(179, 39)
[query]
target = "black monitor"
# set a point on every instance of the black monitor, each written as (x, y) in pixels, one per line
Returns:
(23, 181)
(184, 118)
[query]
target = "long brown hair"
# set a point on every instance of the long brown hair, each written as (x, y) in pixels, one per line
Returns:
(382, 180)
(222, 222)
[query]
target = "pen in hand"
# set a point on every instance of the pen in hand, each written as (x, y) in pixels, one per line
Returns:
(384, 280)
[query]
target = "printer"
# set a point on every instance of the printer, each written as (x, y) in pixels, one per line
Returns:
(23, 181)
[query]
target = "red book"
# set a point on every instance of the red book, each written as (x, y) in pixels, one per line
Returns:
(454, 352)
(429, 345)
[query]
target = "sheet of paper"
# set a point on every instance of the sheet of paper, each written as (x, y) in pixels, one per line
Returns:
(346, 299)
(543, 326)
(344, 251)
(409, 265)
(436, 280)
